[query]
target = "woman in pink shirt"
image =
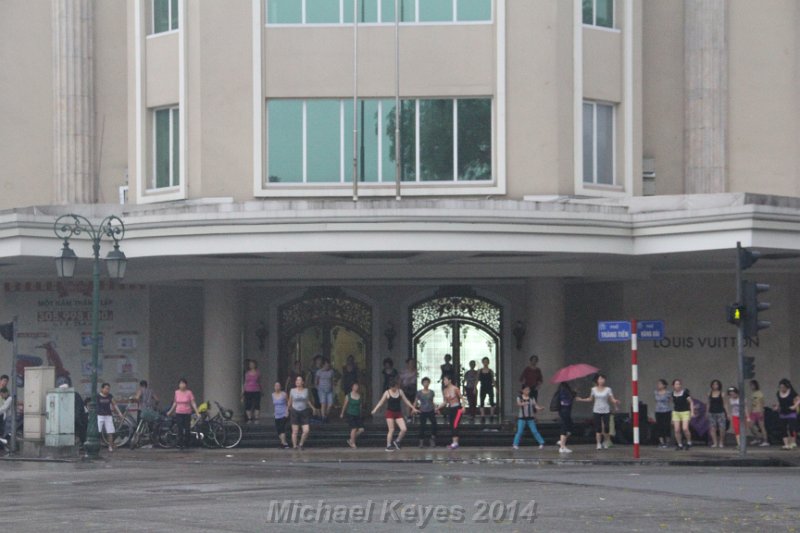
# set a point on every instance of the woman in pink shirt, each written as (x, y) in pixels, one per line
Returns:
(251, 392)
(182, 406)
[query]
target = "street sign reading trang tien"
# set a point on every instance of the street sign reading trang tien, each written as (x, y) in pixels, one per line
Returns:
(650, 330)
(618, 331)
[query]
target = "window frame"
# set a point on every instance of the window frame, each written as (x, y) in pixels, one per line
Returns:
(379, 16)
(613, 143)
(344, 158)
(174, 150)
(593, 23)
(170, 18)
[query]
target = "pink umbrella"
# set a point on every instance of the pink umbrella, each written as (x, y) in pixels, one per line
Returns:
(568, 373)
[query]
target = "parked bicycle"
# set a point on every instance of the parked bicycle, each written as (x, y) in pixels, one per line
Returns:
(151, 427)
(233, 431)
(124, 427)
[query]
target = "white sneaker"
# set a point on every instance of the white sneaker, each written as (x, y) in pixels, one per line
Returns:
(764, 443)
(3, 441)
(541, 446)
(566, 450)
(515, 447)
(599, 446)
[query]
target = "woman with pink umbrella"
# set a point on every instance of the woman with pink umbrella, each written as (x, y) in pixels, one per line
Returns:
(565, 397)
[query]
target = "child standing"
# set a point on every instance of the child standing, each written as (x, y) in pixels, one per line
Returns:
(526, 417)
(735, 407)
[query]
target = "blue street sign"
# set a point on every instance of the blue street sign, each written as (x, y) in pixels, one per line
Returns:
(619, 331)
(650, 330)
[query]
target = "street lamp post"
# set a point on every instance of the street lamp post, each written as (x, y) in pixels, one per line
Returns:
(66, 227)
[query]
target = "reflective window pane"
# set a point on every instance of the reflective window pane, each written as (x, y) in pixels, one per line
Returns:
(435, 10)
(588, 11)
(322, 11)
(474, 10)
(408, 147)
(367, 11)
(176, 147)
(174, 15)
(588, 143)
(285, 141)
(604, 15)
(160, 16)
(474, 139)
(162, 148)
(323, 148)
(406, 10)
(436, 140)
(367, 140)
(284, 11)
(388, 166)
(605, 144)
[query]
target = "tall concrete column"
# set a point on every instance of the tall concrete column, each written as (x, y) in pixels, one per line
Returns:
(705, 96)
(545, 330)
(222, 326)
(74, 166)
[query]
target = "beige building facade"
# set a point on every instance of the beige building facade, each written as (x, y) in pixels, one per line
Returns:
(560, 162)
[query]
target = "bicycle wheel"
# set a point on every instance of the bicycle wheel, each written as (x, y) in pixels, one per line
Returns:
(123, 433)
(213, 434)
(167, 436)
(134, 440)
(233, 434)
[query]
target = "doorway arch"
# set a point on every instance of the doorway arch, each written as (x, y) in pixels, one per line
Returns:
(458, 322)
(326, 322)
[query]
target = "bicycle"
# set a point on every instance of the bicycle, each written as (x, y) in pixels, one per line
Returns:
(148, 430)
(232, 431)
(124, 426)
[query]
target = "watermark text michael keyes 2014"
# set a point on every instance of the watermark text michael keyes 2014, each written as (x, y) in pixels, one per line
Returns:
(399, 512)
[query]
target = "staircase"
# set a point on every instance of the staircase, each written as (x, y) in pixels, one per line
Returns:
(492, 432)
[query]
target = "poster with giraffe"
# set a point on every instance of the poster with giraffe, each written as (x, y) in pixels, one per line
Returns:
(55, 321)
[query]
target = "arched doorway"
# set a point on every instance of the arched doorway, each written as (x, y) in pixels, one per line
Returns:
(457, 322)
(328, 323)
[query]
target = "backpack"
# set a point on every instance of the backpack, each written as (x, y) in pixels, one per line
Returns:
(555, 401)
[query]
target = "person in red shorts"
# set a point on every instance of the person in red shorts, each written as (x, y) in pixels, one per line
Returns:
(394, 398)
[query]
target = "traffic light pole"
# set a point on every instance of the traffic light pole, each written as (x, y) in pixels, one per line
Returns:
(740, 357)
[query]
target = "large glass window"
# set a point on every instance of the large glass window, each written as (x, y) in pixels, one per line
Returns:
(474, 10)
(285, 145)
(598, 13)
(367, 11)
(474, 137)
(598, 143)
(377, 11)
(311, 141)
(166, 148)
(435, 10)
(165, 15)
(285, 11)
(436, 140)
(323, 11)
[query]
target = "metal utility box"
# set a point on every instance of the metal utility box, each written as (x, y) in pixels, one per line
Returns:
(38, 380)
(60, 422)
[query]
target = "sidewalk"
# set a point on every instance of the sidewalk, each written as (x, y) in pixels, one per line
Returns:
(699, 456)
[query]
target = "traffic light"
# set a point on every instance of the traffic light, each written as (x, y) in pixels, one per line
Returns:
(734, 314)
(752, 307)
(747, 258)
(749, 367)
